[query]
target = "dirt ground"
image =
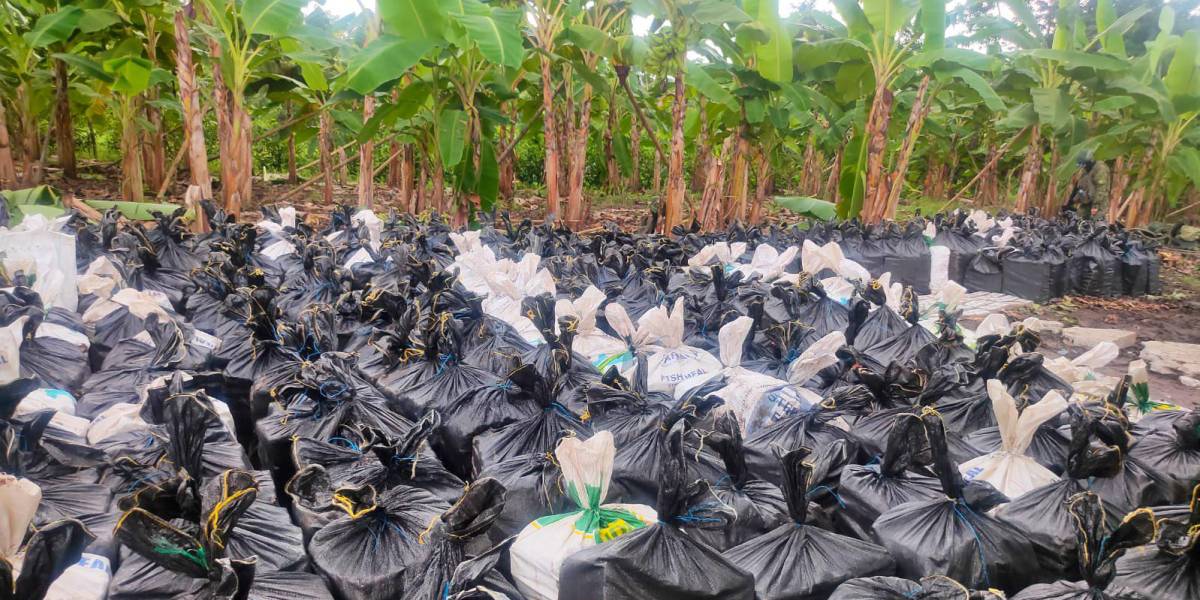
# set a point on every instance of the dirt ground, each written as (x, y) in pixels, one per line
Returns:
(1172, 317)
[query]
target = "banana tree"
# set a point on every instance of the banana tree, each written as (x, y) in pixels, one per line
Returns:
(242, 36)
(122, 75)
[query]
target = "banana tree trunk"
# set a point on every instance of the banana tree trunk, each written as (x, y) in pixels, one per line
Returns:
(131, 159)
(366, 160)
(916, 119)
(189, 97)
(739, 180)
(420, 199)
(809, 171)
(577, 158)
(324, 149)
(438, 199)
(550, 133)
(64, 129)
(635, 158)
(762, 188)
(1050, 201)
(1120, 181)
(832, 189)
(657, 185)
(8, 169)
(407, 172)
(875, 192)
(673, 213)
(31, 167)
(700, 166)
(1029, 172)
(292, 176)
(154, 147)
(610, 157)
(244, 161)
(714, 184)
(153, 153)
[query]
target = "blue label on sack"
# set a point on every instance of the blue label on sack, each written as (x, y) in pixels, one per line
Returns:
(972, 473)
(56, 394)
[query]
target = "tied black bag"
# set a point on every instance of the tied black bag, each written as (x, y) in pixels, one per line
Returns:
(660, 561)
(954, 536)
(797, 561)
(1099, 546)
(1034, 271)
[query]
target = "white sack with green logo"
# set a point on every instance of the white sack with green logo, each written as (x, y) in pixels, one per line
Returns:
(540, 548)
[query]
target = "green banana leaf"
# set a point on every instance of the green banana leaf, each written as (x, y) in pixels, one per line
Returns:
(808, 207)
(137, 211)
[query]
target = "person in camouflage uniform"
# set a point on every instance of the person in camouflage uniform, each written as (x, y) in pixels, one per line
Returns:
(1090, 196)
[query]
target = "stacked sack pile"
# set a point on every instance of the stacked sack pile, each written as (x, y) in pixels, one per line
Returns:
(387, 408)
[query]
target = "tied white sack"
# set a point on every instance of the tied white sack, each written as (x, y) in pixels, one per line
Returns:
(590, 342)
(720, 252)
(671, 364)
(540, 549)
(38, 249)
(1086, 366)
(814, 259)
(993, 324)
(100, 279)
(87, 579)
(755, 399)
(61, 402)
(1009, 469)
(505, 284)
(768, 263)
(10, 350)
(636, 339)
(19, 499)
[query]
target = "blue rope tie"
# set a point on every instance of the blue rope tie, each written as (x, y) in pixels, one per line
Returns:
(443, 362)
(560, 409)
(506, 385)
(378, 528)
(446, 590)
(333, 389)
(792, 354)
(836, 497)
(987, 580)
(691, 517)
(341, 441)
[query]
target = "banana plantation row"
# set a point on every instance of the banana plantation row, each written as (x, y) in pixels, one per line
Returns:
(724, 102)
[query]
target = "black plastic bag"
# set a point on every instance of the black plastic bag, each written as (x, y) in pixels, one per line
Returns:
(1099, 546)
(935, 587)
(658, 561)
(905, 346)
(324, 395)
(1172, 457)
(797, 561)
(985, 272)
(483, 408)
(1043, 512)
(533, 482)
(1093, 268)
(366, 554)
(881, 324)
(451, 538)
(869, 490)
(907, 257)
(181, 558)
(822, 430)
(759, 506)
(954, 536)
(383, 461)
(538, 433)
(50, 551)
(1034, 271)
